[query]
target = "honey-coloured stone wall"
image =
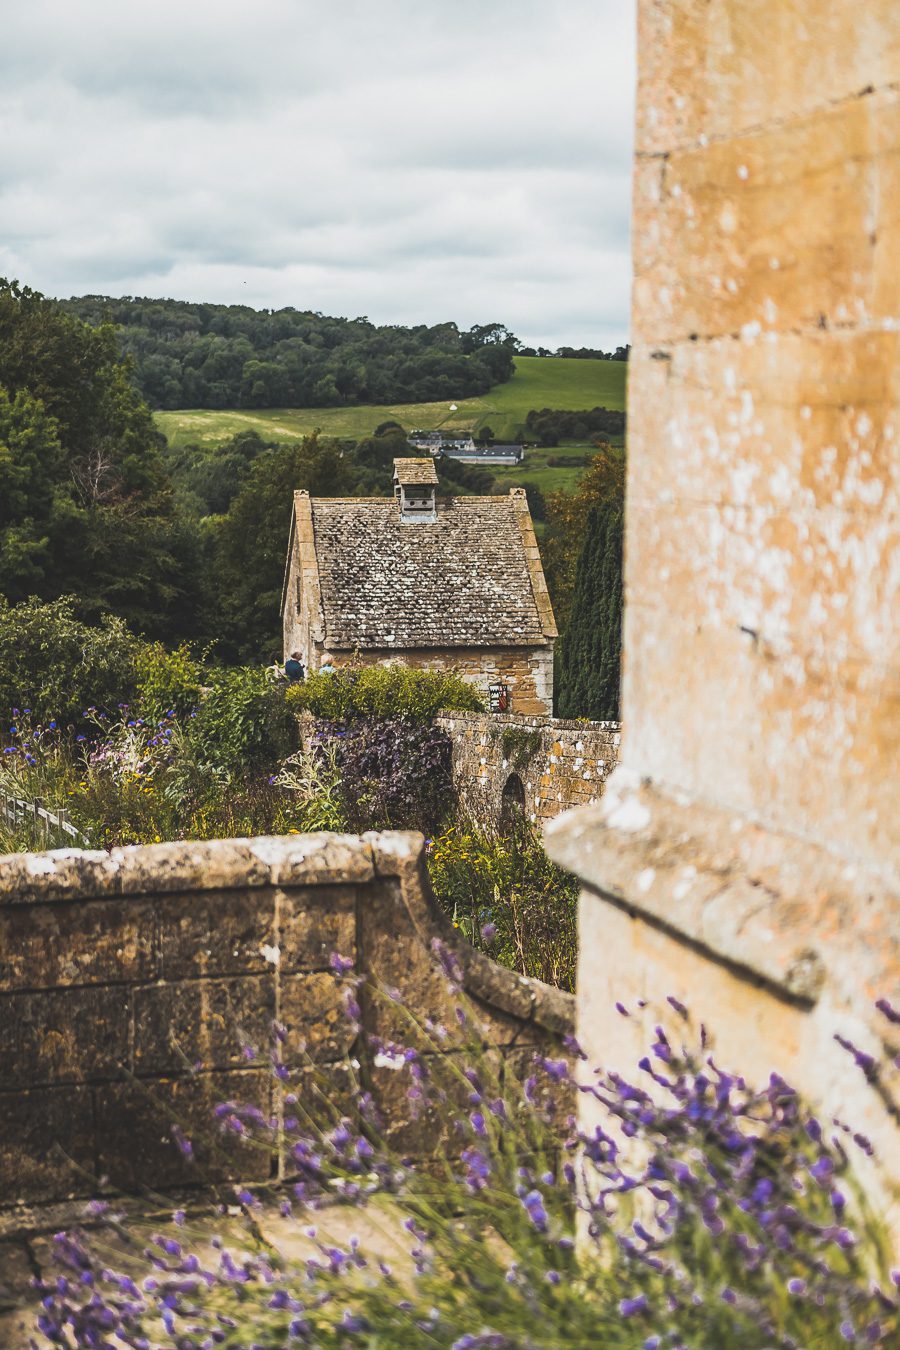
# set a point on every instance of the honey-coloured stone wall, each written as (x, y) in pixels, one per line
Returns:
(746, 855)
(558, 763)
(762, 645)
(134, 984)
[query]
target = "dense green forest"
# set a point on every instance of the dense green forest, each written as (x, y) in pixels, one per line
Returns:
(231, 356)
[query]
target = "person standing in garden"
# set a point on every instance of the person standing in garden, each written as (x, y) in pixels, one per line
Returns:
(293, 668)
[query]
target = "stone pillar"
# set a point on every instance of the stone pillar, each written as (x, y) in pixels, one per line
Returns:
(746, 856)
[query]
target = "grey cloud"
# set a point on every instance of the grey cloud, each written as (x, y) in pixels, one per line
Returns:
(413, 161)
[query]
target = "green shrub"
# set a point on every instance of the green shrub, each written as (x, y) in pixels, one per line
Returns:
(383, 691)
(57, 666)
(167, 681)
(243, 721)
(509, 899)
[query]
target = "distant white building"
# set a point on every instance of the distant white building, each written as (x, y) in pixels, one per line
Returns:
(485, 454)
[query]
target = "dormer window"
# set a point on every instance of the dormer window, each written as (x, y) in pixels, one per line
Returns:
(415, 487)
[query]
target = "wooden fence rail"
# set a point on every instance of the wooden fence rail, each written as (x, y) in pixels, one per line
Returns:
(54, 827)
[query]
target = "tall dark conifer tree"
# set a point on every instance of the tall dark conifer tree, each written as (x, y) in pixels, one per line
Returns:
(592, 644)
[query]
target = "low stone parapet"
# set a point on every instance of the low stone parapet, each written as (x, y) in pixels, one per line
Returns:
(138, 988)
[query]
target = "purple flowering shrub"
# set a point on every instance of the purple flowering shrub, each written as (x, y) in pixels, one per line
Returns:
(395, 772)
(701, 1213)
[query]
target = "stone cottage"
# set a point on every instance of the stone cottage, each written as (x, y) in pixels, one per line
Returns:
(450, 583)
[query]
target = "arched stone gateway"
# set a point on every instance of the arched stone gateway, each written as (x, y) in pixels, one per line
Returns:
(512, 803)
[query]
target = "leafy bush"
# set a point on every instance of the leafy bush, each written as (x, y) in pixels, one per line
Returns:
(243, 721)
(699, 1212)
(167, 681)
(383, 691)
(509, 899)
(57, 666)
(127, 778)
(315, 779)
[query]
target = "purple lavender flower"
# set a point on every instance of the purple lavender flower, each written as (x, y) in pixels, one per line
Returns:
(534, 1207)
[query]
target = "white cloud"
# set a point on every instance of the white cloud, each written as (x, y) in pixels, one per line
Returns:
(413, 160)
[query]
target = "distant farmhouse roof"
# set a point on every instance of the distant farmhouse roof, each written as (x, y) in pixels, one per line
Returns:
(469, 577)
(484, 454)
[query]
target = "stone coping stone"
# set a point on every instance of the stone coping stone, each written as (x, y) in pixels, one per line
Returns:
(198, 865)
(291, 861)
(779, 907)
(539, 721)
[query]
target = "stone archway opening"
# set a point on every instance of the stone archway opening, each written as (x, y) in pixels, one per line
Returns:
(512, 804)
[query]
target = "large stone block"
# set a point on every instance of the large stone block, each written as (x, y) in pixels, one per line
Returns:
(64, 1036)
(313, 1012)
(314, 922)
(773, 230)
(794, 422)
(709, 68)
(135, 1144)
(772, 719)
(215, 932)
(410, 999)
(823, 582)
(46, 1145)
(206, 1022)
(108, 941)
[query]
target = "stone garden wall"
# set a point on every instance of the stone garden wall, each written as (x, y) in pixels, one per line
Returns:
(558, 763)
(130, 983)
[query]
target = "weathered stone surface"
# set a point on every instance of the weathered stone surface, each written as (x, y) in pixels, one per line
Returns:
(736, 243)
(558, 1100)
(745, 857)
(61, 874)
(16, 1273)
(46, 1145)
(135, 1147)
(207, 1022)
(313, 859)
(316, 1097)
(313, 1012)
(44, 946)
(803, 423)
(417, 1129)
(711, 67)
(215, 932)
(208, 864)
(63, 1036)
(314, 922)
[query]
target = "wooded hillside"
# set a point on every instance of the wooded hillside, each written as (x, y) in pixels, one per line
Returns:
(231, 356)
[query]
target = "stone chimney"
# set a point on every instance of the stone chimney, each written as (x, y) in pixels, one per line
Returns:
(415, 487)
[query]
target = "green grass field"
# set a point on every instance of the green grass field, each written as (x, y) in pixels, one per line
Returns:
(539, 382)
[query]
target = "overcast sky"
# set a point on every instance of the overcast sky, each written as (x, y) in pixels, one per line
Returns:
(412, 160)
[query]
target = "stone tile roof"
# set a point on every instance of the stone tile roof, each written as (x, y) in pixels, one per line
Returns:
(462, 581)
(415, 471)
